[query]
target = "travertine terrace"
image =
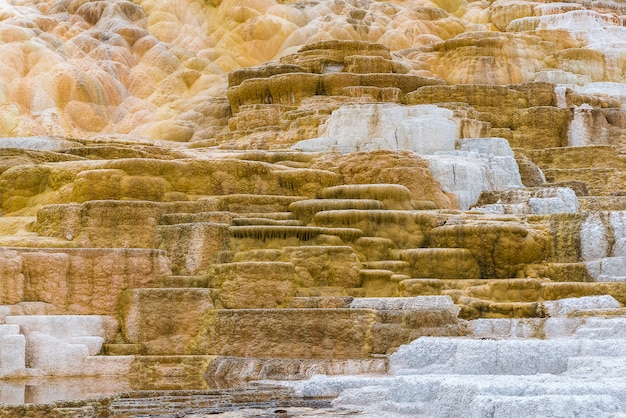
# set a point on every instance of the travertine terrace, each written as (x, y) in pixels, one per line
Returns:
(417, 199)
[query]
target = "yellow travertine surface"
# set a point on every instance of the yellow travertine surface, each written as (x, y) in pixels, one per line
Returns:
(156, 68)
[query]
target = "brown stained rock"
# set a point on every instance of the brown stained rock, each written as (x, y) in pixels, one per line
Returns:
(493, 58)
(316, 333)
(365, 64)
(305, 210)
(255, 284)
(500, 249)
(539, 127)
(565, 237)
(154, 372)
(80, 281)
(573, 59)
(441, 263)
(404, 228)
(599, 181)
(553, 291)
(164, 320)
(336, 55)
(529, 171)
(286, 333)
(500, 101)
(502, 15)
(334, 83)
(600, 156)
(126, 224)
(325, 266)
(237, 77)
(11, 276)
(282, 89)
(192, 247)
(255, 116)
(392, 167)
(24, 187)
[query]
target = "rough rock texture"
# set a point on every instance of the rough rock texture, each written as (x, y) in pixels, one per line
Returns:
(205, 192)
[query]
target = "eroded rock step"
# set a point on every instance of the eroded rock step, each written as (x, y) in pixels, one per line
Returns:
(407, 229)
(306, 209)
(78, 280)
(188, 324)
(185, 281)
(600, 181)
(389, 325)
(300, 233)
(508, 297)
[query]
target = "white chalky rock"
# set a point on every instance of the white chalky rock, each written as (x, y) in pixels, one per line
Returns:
(63, 345)
(41, 143)
(608, 269)
(480, 164)
(464, 177)
(12, 350)
(498, 147)
(593, 234)
(424, 129)
(576, 368)
(589, 127)
(12, 392)
(543, 206)
(563, 307)
(604, 262)
(542, 201)
(429, 303)
(61, 326)
(612, 89)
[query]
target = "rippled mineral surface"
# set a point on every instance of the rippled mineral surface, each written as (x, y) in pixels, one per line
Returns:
(273, 208)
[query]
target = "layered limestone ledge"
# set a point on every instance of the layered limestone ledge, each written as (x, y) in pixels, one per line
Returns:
(114, 223)
(78, 280)
(163, 320)
(501, 249)
(393, 196)
(324, 333)
(262, 280)
(192, 247)
(407, 229)
(537, 115)
(255, 284)
(24, 188)
(292, 89)
(440, 263)
(306, 209)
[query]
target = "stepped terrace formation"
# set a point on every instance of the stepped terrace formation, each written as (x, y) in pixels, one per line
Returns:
(399, 208)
